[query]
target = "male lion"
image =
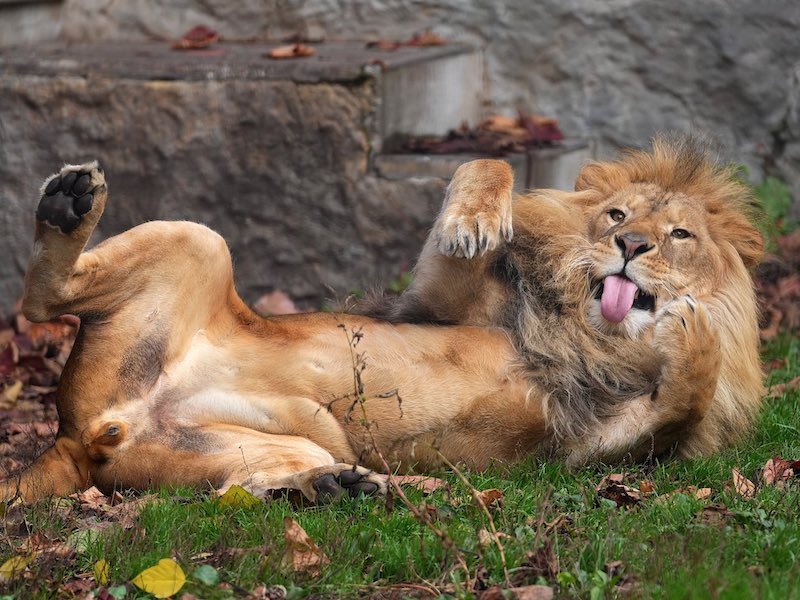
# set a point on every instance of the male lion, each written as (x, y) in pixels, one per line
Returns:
(173, 380)
(629, 300)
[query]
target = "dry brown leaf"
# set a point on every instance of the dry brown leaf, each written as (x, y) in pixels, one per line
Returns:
(40, 544)
(778, 470)
(742, 485)
(196, 38)
(486, 537)
(387, 45)
(613, 488)
(779, 389)
(426, 485)
(425, 38)
(302, 554)
(126, 513)
(91, 499)
(713, 514)
(702, 493)
(291, 51)
(647, 487)
(491, 498)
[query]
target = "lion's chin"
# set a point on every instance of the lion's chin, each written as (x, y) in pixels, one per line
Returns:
(633, 326)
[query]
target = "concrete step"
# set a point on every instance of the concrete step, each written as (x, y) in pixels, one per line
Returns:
(550, 167)
(417, 90)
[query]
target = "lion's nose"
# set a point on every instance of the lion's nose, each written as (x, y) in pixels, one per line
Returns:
(632, 244)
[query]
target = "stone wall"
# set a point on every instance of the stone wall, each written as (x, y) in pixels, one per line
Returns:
(616, 71)
(278, 168)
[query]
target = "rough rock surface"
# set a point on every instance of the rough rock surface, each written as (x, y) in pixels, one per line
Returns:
(278, 168)
(616, 71)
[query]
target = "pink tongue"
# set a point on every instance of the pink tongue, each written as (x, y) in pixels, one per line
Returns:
(617, 299)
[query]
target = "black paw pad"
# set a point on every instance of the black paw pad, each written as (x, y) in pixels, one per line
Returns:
(367, 488)
(328, 489)
(66, 199)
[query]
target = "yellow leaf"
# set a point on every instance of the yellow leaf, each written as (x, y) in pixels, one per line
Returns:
(10, 393)
(101, 572)
(14, 567)
(163, 580)
(238, 496)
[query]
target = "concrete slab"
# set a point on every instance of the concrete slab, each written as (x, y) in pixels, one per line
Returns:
(333, 61)
(554, 167)
(442, 166)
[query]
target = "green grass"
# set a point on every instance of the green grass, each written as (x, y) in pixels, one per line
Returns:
(667, 549)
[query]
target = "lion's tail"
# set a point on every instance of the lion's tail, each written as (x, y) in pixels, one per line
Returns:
(60, 470)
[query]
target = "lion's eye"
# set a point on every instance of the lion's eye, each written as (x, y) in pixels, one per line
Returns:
(681, 234)
(616, 215)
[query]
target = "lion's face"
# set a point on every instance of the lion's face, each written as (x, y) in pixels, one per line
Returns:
(648, 246)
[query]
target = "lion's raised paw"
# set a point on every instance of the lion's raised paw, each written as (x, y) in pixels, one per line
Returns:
(685, 325)
(477, 216)
(69, 195)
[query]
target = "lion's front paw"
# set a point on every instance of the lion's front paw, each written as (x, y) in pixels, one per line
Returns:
(69, 195)
(686, 336)
(478, 209)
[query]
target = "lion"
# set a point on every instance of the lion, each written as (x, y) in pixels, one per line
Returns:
(634, 286)
(497, 351)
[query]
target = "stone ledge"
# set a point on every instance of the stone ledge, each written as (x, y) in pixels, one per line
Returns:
(552, 167)
(333, 61)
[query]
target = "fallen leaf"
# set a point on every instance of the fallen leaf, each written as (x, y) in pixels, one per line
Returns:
(196, 38)
(689, 490)
(275, 303)
(777, 471)
(714, 514)
(118, 592)
(39, 544)
(543, 562)
(8, 398)
(14, 567)
(779, 389)
(613, 488)
(426, 485)
(206, 574)
(78, 588)
(647, 487)
(162, 580)
(91, 499)
(302, 554)
(100, 570)
(236, 495)
(386, 45)
(291, 51)
(491, 498)
(425, 38)
(742, 485)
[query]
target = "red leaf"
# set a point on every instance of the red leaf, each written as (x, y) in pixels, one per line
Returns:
(196, 38)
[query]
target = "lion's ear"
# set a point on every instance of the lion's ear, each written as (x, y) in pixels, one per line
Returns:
(743, 236)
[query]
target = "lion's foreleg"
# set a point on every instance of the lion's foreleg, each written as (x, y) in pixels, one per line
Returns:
(450, 282)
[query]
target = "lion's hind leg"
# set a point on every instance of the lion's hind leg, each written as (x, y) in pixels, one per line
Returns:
(71, 204)
(220, 456)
